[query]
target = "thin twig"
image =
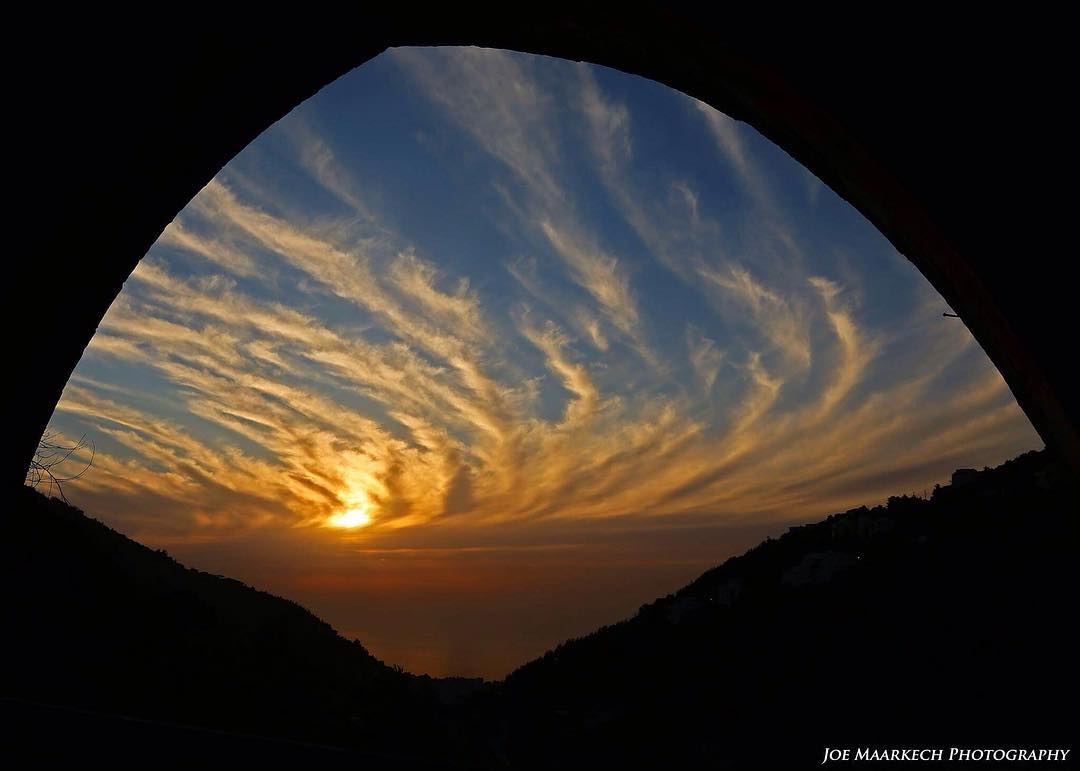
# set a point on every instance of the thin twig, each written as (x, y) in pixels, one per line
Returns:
(51, 454)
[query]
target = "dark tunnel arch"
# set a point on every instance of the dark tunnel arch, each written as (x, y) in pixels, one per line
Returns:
(121, 131)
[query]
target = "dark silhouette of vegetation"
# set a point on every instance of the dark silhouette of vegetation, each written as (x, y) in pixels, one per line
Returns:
(95, 621)
(924, 622)
(941, 620)
(51, 454)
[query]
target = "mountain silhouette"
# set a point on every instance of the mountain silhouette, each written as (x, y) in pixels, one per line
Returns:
(920, 623)
(926, 622)
(97, 622)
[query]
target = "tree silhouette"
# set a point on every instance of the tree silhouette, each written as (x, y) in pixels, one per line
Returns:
(50, 455)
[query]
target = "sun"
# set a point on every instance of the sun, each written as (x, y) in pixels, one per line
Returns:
(351, 519)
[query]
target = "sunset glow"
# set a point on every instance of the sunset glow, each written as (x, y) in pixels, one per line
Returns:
(556, 338)
(351, 519)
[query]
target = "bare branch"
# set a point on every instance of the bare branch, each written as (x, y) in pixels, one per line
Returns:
(52, 453)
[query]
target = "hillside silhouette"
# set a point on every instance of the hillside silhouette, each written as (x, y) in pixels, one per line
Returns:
(943, 621)
(98, 622)
(920, 623)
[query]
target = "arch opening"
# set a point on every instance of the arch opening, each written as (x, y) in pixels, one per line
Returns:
(676, 335)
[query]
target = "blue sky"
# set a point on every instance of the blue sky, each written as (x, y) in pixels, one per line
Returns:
(514, 307)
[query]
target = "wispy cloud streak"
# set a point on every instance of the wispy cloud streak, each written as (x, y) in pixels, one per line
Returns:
(643, 351)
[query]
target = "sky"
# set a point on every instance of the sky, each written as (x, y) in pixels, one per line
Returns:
(474, 352)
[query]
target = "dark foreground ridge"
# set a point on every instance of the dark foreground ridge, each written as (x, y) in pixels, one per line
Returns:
(924, 623)
(98, 623)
